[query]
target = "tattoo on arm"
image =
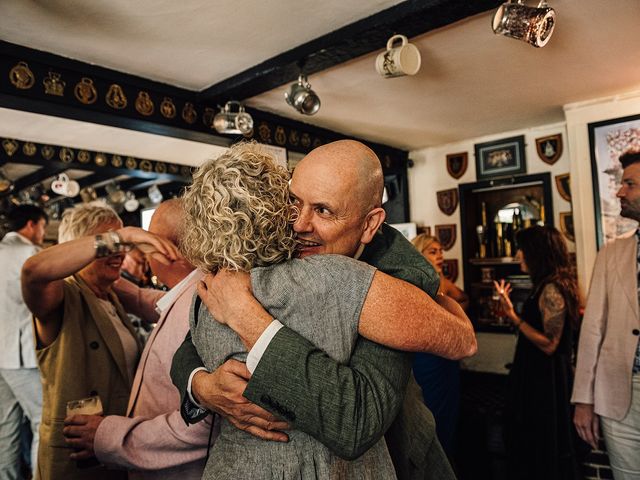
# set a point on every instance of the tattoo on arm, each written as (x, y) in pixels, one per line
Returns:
(553, 309)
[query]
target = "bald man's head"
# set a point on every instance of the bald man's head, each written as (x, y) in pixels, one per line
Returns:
(167, 222)
(338, 189)
(356, 165)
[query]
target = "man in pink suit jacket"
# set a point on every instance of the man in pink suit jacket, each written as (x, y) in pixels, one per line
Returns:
(153, 441)
(607, 380)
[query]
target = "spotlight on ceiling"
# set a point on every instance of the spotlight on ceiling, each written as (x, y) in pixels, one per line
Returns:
(233, 122)
(533, 25)
(302, 98)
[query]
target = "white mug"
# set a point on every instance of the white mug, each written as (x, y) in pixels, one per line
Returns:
(59, 185)
(399, 60)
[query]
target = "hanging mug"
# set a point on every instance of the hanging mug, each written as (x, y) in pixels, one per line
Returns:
(399, 60)
(533, 25)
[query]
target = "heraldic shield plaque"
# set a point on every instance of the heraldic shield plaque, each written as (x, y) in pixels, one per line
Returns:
(448, 200)
(446, 235)
(549, 148)
(457, 164)
(450, 269)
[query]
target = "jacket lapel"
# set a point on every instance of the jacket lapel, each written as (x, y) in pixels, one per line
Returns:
(627, 269)
(106, 328)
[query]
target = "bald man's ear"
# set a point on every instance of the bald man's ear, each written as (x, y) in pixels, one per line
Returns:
(373, 220)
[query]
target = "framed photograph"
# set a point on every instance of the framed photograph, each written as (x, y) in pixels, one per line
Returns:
(608, 140)
(500, 158)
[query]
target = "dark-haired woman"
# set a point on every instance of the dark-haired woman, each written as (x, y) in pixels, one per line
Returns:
(540, 437)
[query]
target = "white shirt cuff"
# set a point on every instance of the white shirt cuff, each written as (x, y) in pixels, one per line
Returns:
(189, 386)
(255, 354)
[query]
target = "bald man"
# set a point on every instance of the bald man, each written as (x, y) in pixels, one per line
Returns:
(338, 189)
(152, 440)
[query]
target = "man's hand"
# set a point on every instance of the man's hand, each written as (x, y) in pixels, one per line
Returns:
(80, 432)
(221, 391)
(228, 297)
(587, 424)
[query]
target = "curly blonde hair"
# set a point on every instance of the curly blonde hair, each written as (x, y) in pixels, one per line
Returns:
(85, 219)
(237, 212)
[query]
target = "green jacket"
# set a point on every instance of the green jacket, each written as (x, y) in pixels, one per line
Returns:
(349, 407)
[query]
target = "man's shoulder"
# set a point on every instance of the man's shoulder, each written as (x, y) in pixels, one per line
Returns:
(392, 253)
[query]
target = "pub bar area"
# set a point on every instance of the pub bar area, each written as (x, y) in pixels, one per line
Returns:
(182, 185)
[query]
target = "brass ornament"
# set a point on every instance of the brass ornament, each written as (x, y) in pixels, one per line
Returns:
(316, 142)
(281, 136)
(167, 108)
(10, 146)
(294, 138)
(207, 117)
(115, 97)
(29, 149)
(84, 156)
(386, 161)
(185, 171)
(264, 132)
(47, 152)
(161, 167)
(21, 76)
(53, 85)
(116, 161)
(146, 166)
(305, 141)
(131, 163)
(101, 160)
(144, 104)
(85, 92)
(66, 155)
(173, 168)
(189, 113)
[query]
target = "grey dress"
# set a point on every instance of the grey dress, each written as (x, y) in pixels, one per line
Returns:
(321, 298)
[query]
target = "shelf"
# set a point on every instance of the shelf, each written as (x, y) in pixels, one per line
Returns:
(514, 286)
(494, 261)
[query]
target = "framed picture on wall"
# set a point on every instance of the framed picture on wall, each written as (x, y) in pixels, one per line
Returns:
(500, 158)
(608, 140)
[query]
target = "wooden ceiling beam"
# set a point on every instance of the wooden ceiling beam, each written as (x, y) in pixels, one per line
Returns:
(410, 18)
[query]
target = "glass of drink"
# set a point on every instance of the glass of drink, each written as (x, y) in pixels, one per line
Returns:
(85, 406)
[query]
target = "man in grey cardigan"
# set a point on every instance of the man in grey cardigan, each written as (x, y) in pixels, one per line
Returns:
(338, 188)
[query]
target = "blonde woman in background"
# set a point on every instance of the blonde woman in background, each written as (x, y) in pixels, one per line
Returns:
(439, 377)
(432, 250)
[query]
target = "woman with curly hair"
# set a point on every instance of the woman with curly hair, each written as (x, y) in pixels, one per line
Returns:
(540, 436)
(238, 216)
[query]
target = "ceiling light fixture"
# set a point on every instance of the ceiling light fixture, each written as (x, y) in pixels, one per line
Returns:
(533, 25)
(233, 122)
(302, 98)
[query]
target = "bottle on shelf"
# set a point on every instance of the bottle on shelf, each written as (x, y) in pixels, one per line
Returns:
(499, 241)
(481, 232)
(542, 219)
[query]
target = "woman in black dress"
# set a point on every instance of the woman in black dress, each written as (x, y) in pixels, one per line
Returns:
(540, 437)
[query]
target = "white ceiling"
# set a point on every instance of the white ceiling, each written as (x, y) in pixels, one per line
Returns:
(472, 83)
